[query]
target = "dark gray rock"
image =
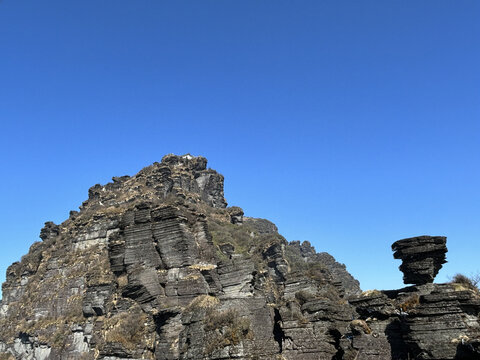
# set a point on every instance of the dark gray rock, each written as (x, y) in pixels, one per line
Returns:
(261, 226)
(96, 299)
(435, 321)
(154, 266)
(304, 252)
(422, 258)
(49, 231)
(185, 177)
(236, 215)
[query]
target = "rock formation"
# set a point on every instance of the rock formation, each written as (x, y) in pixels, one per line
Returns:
(425, 321)
(422, 258)
(156, 266)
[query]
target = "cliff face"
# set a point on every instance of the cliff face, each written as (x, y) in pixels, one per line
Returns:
(156, 266)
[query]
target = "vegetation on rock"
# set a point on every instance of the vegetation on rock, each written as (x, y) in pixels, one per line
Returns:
(156, 266)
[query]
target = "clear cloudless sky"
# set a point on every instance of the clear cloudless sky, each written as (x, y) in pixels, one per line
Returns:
(350, 124)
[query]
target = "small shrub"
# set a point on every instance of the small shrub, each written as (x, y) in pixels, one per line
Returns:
(359, 326)
(410, 303)
(203, 267)
(126, 328)
(219, 319)
(112, 210)
(470, 283)
(295, 259)
(122, 280)
(60, 337)
(368, 293)
(6, 356)
(318, 272)
(202, 302)
(292, 312)
(225, 328)
(303, 296)
(228, 233)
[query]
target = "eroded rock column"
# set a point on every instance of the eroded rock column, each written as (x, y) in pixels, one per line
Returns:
(422, 258)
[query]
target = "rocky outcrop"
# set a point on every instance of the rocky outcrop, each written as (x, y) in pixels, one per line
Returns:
(433, 321)
(341, 278)
(261, 226)
(185, 177)
(155, 266)
(422, 258)
(236, 215)
(425, 321)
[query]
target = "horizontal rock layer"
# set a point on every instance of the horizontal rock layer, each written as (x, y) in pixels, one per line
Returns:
(422, 258)
(155, 266)
(433, 321)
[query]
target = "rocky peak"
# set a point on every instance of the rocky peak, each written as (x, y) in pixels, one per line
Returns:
(187, 162)
(422, 258)
(183, 176)
(155, 266)
(50, 230)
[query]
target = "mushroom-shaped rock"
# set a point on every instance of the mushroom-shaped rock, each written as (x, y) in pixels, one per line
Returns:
(422, 257)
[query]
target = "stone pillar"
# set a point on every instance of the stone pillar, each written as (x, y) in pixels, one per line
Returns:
(422, 257)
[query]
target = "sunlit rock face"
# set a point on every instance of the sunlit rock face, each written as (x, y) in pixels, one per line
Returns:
(422, 258)
(156, 266)
(424, 321)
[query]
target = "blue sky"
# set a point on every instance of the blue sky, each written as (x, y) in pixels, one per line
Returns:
(350, 124)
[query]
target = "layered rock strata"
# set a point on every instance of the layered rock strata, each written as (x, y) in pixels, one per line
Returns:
(422, 258)
(156, 266)
(425, 321)
(433, 321)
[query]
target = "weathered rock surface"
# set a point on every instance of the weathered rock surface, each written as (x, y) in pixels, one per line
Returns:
(433, 321)
(261, 226)
(425, 321)
(341, 278)
(422, 258)
(155, 266)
